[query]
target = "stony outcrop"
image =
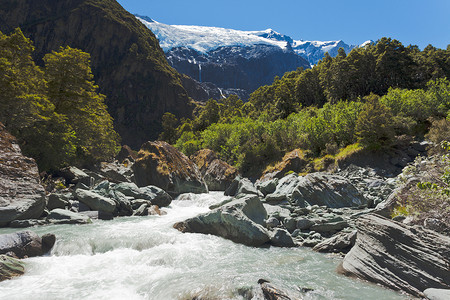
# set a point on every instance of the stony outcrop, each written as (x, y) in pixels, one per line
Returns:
(26, 244)
(293, 161)
(162, 165)
(127, 62)
(217, 174)
(241, 220)
(10, 267)
(21, 194)
(397, 256)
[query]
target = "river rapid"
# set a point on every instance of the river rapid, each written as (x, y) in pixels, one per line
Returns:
(145, 258)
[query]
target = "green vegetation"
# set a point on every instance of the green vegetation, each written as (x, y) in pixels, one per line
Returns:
(55, 111)
(367, 97)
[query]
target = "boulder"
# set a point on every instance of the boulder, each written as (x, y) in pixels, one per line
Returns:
(217, 174)
(241, 187)
(271, 292)
(116, 172)
(281, 238)
(156, 195)
(123, 204)
(341, 242)
(62, 216)
(26, 223)
(326, 190)
(241, 220)
(10, 267)
(293, 161)
(437, 294)
(398, 256)
(73, 175)
(267, 187)
(126, 153)
(330, 227)
(21, 194)
(57, 201)
(95, 201)
(304, 223)
(25, 244)
(284, 189)
(162, 165)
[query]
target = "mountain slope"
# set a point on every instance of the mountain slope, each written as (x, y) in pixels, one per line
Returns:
(127, 62)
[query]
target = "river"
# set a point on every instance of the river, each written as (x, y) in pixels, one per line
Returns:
(145, 258)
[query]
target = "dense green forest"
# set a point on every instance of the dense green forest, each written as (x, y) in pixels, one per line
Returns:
(367, 97)
(54, 111)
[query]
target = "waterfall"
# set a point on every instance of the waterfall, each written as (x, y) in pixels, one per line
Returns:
(200, 72)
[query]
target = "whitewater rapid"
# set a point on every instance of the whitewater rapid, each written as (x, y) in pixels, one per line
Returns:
(145, 258)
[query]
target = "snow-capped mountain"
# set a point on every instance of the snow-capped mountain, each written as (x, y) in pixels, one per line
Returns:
(235, 59)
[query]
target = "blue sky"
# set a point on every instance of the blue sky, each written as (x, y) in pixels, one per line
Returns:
(417, 22)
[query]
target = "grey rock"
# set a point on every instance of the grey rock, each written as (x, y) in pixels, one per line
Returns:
(268, 187)
(246, 187)
(437, 294)
(277, 211)
(22, 244)
(142, 210)
(74, 175)
(138, 202)
(290, 224)
(95, 201)
(116, 171)
(271, 292)
(303, 223)
(284, 189)
(242, 221)
(329, 227)
(329, 190)
(341, 242)
(62, 216)
(123, 204)
(281, 238)
(57, 201)
(398, 256)
(272, 222)
(157, 195)
(26, 223)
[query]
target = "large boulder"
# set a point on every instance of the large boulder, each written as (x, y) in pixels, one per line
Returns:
(95, 201)
(21, 194)
(341, 242)
(284, 189)
(10, 267)
(62, 216)
(26, 244)
(73, 175)
(162, 165)
(217, 174)
(241, 220)
(397, 256)
(326, 189)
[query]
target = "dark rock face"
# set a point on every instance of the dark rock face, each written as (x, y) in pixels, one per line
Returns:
(246, 68)
(398, 256)
(25, 244)
(127, 62)
(217, 174)
(21, 194)
(162, 165)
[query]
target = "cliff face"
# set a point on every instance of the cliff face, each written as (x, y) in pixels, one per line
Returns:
(128, 64)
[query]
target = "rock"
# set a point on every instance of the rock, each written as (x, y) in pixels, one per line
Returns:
(398, 256)
(293, 161)
(142, 210)
(326, 189)
(162, 165)
(284, 189)
(241, 187)
(48, 241)
(217, 174)
(304, 223)
(271, 292)
(281, 238)
(341, 242)
(329, 227)
(126, 153)
(233, 187)
(272, 222)
(157, 195)
(21, 194)
(155, 211)
(241, 220)
(95, 201)
(24, 244)
(62, 216)
(26, 223)
(74, 175)
(437, 294)
(57, 201)
(116, 172)
(10, 267)
(276, 211)
(267, 187)
(290, 224)
(123, 204)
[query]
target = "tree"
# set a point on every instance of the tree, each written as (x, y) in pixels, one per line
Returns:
(169, 125)
(72, 90)
(374, 127)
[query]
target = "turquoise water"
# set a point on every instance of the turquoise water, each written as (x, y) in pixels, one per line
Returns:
(145, 258)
